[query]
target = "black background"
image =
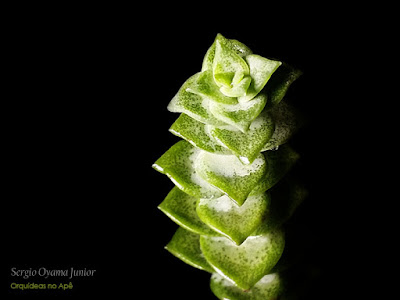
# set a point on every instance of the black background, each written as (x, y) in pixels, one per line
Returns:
(86, 117)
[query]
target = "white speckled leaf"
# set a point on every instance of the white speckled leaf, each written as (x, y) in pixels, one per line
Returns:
(237, 90)
(205, 86)
(267, 288)
(247, 145)
(286, 124)
(177, 163)
(239, 115)
(195, 133)
(229, 175)
(239, 48)
(279, 163)
(181, 208)
(261, 70)
(229, 68)
(246, 264)
(233, 221)
(185, 245)
(193, 105)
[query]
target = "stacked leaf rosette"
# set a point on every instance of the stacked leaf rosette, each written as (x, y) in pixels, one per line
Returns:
(229, 198)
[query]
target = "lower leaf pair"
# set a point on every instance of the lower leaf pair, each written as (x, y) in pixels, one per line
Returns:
(216, 217)
(244, 264)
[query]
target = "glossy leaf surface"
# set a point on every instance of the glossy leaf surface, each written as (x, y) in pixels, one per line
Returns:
(267, 288)
(240, 115)
(197, 134)
(181, 208)
(261, 70)
(279, 163)
(247, 145)
(186, 246)
(178, 164)
(246, 264)
(233, 221)
(193, 105)
(230, 175)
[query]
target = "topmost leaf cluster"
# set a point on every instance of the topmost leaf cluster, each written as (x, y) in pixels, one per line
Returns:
(231, 97)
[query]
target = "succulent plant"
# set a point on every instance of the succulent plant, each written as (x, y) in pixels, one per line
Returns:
(229, 199)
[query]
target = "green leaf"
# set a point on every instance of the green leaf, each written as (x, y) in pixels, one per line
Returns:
(261, 70)
(279, 162)
(197, 134)
(228, 67)
(287, 122)
(239, 48)
(205, 86)
(246, 264)
(229, 175)
(279, 83)
(193, 105)
(185, 245)
(233, 221)
(181, 208)
(239, 115)
(268, 287)
(177, 164)
(247, 145)
(237, 90)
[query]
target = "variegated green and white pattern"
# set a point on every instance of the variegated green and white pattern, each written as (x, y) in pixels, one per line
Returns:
(234, 123)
